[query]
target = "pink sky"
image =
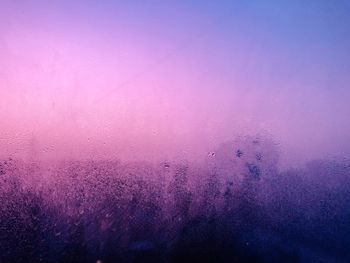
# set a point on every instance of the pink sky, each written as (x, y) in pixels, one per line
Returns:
(155, 80)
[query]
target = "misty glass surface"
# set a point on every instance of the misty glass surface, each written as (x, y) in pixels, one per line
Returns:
(174, 131)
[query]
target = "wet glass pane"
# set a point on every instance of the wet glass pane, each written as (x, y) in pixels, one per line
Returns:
(174, 131)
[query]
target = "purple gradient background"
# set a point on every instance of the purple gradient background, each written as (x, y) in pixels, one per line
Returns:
(165, 79)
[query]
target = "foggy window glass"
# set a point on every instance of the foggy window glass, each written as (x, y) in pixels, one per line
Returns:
(174, 131)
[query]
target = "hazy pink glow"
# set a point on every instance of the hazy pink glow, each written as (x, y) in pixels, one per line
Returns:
(79, 82)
